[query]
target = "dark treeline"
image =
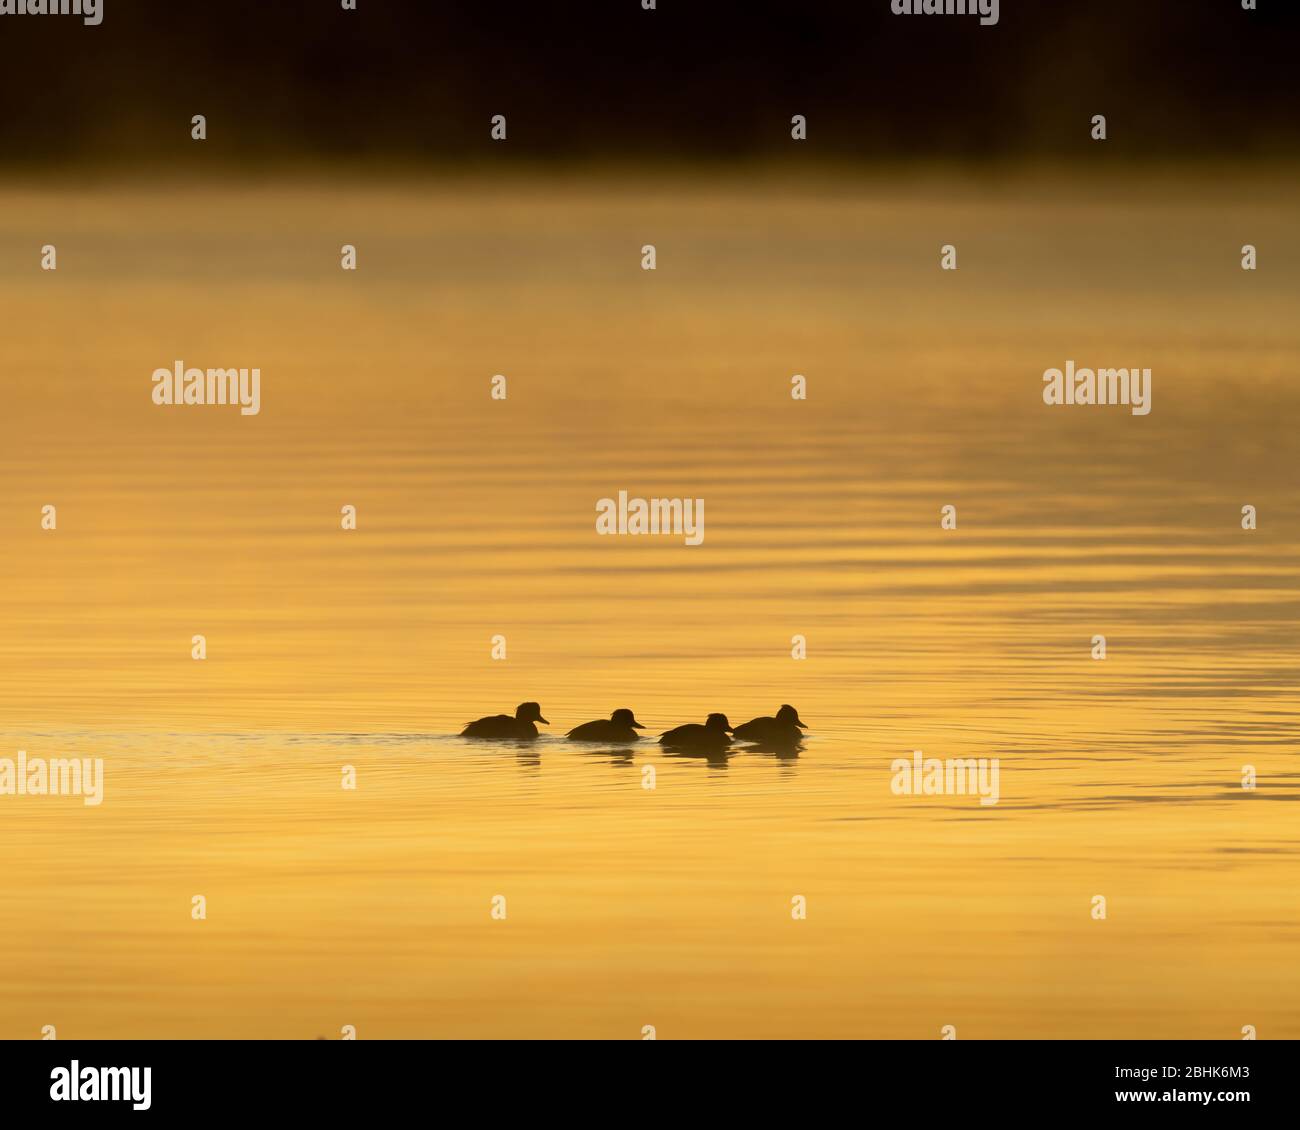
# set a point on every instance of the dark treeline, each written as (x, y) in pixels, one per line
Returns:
(711, 79)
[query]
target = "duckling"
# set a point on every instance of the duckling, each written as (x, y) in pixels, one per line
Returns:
(714, 734)
(784, 728)
(501, 727)
(621, 726)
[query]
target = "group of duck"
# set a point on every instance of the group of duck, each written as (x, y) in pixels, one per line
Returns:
(783, 730)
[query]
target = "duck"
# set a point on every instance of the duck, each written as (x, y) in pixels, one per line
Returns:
(501, 727)
(784, 728)
(621, 726)
(714, 734)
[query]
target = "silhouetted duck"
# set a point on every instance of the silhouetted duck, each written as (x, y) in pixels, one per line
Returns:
(714, 734)
(783, 729)
(621, 726)
(502, 727)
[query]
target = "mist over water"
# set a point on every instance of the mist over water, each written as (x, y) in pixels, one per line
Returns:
(371, 648)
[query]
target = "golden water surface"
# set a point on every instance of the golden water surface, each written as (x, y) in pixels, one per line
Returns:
(627, 906)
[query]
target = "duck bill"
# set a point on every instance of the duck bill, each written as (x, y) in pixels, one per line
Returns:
(542, 720)
(800, 725)
(637, 726)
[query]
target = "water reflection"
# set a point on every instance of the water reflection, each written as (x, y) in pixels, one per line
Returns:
(331, 648)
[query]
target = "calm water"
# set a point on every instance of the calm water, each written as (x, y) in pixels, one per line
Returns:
(627, 906)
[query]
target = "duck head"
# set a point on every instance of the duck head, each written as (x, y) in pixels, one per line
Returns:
(626, 718)
(529, 712)
(718, 722)
(790, 716)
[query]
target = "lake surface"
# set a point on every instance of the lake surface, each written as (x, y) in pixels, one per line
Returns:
(670, 906)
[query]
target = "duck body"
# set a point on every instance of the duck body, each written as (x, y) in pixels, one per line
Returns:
(501, 727)
(504, 728)
(621, 726)
(784, 729)
(714, 734)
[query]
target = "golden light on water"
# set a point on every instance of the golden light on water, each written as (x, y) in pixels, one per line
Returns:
(371, 648)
